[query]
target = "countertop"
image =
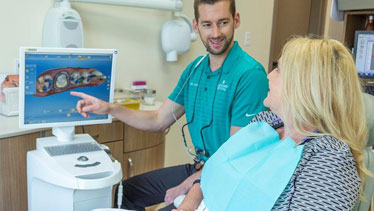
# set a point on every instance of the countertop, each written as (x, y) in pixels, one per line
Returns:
(9, 125)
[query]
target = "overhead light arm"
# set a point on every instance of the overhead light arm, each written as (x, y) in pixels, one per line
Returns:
(170, 28)
(171, 5)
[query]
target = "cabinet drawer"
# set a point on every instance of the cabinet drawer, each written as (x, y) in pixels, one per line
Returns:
(142, 161)
(101, 133)
(104, 133)
(137, 139)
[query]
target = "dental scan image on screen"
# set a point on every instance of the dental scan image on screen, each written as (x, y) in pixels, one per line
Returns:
(50, 77)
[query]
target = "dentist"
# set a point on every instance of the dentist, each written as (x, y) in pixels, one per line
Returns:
(219, 93)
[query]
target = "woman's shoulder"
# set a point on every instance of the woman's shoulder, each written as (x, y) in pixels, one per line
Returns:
(327, 143)
(329, 154)
(329, 150)
(327, 174)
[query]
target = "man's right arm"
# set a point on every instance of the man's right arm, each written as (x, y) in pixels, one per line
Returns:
(153, 121)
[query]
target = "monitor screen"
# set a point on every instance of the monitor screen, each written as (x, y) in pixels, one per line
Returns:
(364, 53)
(47, 75)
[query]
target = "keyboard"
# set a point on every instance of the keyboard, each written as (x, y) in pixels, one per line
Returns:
(369, 90)
(68, 149)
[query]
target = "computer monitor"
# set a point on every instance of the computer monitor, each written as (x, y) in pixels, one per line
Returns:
(47, 75)
(364, 53)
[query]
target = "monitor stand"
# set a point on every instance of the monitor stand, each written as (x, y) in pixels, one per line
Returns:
(64, 134)
(64, 142)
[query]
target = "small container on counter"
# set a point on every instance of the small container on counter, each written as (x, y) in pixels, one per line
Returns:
(149, 96)
(129, 103)
(127, 98)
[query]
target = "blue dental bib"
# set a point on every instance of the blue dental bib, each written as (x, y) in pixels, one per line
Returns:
(249, 171)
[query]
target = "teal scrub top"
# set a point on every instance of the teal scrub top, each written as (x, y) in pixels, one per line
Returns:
(229, 96)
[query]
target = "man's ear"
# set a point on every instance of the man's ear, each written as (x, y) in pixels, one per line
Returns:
(236, 20)
(195, 28)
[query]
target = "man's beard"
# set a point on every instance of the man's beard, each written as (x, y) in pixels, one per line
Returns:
(223, 50)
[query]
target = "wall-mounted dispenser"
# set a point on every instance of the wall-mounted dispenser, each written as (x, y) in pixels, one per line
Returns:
(62, 27)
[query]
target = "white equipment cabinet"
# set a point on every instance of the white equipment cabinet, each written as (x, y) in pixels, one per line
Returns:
(75, 175)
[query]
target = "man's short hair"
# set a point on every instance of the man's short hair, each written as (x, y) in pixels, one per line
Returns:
(197, 3)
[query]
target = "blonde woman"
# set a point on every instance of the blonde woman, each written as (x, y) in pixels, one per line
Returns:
(315, 91)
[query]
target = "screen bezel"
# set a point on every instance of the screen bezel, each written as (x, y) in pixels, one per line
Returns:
(357, 33)
(43, 50)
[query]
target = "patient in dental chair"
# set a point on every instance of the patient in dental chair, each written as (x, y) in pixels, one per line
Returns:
(304, 154)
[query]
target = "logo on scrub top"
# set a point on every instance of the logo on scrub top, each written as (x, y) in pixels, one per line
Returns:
(194, 84)
(249, 115)
(222, 86)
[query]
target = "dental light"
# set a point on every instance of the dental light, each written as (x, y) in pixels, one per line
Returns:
(63, 25)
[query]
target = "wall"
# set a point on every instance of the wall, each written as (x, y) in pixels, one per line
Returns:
(333, 29)
(21, 22)
(292, 18)
(135, 33)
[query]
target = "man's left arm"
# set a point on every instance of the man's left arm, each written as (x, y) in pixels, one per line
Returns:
(192, 200)
(234, 129)
(250, 93)
(181, 189)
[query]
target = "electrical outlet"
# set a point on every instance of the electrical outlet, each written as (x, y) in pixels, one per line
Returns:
(247, 38)
(16, 66)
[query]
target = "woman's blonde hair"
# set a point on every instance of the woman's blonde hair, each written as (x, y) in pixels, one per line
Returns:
(321, 89)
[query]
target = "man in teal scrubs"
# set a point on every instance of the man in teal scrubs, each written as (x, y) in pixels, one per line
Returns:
(228, 97)
(219, 94)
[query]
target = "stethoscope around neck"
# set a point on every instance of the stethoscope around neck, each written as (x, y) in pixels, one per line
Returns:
(204, 151)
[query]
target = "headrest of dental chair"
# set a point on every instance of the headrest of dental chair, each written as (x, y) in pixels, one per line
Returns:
(369, 110)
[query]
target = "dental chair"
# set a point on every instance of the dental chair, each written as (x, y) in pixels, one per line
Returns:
(369, 160)
(369, 155)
